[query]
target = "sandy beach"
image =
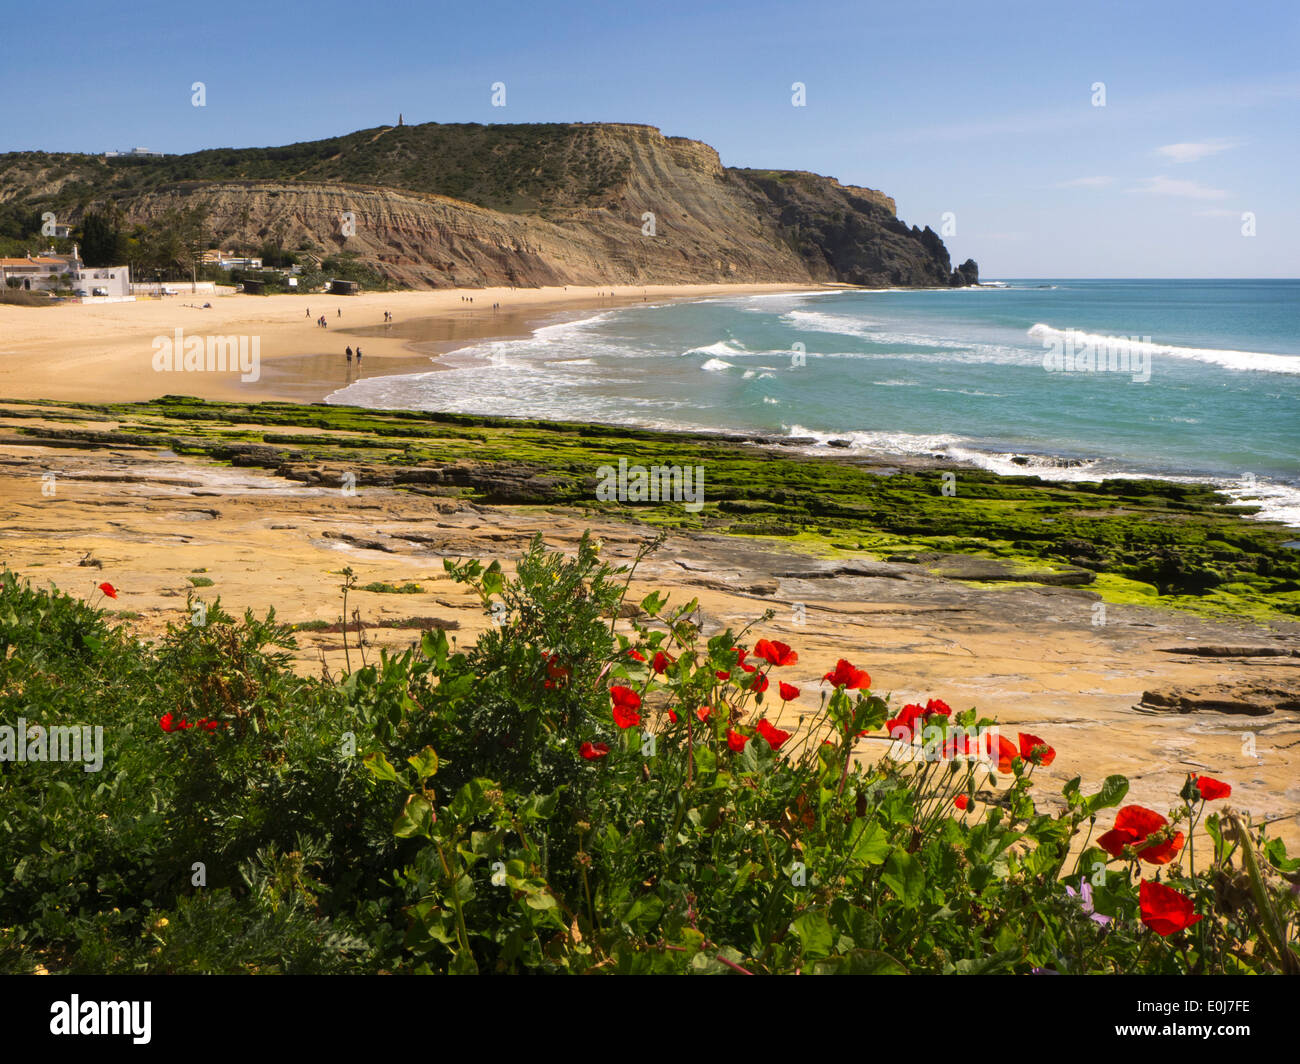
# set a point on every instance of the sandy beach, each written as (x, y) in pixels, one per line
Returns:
(87, 353)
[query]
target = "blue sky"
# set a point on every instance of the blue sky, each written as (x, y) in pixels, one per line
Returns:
(982, 110)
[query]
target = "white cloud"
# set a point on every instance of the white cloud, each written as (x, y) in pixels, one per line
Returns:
(1167, 186)
(1191, 151)
(1086, 182)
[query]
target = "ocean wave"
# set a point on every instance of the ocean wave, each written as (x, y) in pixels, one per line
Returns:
(1258, 361)
(720, 347)
(820, 321)
(716, 365)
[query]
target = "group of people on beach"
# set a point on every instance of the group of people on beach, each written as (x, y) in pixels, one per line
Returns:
(349, 354)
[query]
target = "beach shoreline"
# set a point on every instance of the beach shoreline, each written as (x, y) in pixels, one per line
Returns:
(87, 353)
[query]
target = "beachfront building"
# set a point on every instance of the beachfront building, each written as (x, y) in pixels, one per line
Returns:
(52, 272)
(134, 153)
(40, 273)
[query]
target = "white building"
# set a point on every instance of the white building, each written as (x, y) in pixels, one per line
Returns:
(50, 272)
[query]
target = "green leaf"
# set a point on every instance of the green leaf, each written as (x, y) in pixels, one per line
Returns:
(983, 965)
(539, 899)
(416, 818)
(425, 763)
(815, 934)
(653, 603)
(1112, 793)
(1275, 850)
(540, 806)
(462, 963)
(435, 647)
(381, 768)
(872, 846)
(860, 962)
(905, 877)
(469, 802)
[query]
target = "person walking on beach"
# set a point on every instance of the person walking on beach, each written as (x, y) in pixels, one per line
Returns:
(349, 354)
(309, 312)
(358, 358)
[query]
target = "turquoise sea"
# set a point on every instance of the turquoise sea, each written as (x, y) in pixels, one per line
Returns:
(1065, 379)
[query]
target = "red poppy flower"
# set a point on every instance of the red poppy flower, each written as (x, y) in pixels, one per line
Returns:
(1006, 752)
(951, 750)
(1133, 825)
(774, 735)
(593, 751)
(625, 696)
(166, 723)
(962, 802)
(937, 705)
(847, 675)
(775, 653)
(672, 715)
(737, 741)
(1164, 910)
(759, 683)
(1032, 748)
(788, 692)
(662, 661)
(723, 675)
(741, 655)
(1211, 788)
(903, 726)
(626, 704)
(557, 675)
(634, 653)
(108, 589)
(702, 714)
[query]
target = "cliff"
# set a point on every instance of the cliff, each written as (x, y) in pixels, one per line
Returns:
(439, 205)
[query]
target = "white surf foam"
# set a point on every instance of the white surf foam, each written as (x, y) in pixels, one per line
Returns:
(720, 347)
(1258, 361)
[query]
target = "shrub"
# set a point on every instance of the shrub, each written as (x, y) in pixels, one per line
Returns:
(566, 796)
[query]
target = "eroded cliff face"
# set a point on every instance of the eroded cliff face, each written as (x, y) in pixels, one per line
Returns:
(564, 204)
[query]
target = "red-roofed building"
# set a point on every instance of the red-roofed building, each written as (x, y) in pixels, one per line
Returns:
(45, 273)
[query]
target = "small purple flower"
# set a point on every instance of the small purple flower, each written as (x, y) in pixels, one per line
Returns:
(1085, 889)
